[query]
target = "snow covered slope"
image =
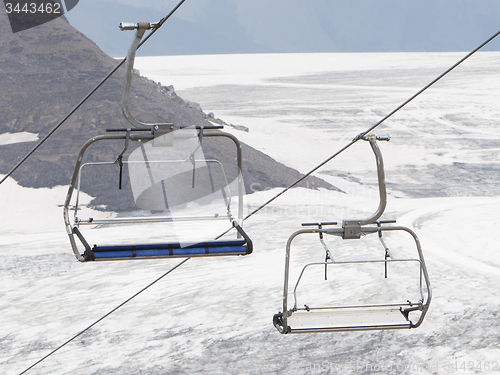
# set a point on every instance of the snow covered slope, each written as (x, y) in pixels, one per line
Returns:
(214, 316)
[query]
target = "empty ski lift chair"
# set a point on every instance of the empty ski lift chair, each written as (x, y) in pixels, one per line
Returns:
(401, 314)
(155, 137)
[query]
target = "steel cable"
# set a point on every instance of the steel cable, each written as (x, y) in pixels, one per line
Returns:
(263, 205)
(106, 315)
(42, 141)
(361, 135)
(160, 23)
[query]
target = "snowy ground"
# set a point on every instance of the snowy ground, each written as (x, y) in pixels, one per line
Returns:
(215, 315)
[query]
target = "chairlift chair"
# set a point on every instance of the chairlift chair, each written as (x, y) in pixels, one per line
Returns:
(155, 136)
(383, 315)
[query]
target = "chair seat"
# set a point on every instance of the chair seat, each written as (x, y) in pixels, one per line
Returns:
(168, 250)
(347, 319)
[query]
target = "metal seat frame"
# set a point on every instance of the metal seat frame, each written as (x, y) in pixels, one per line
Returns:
(355, 317)
(162, 135)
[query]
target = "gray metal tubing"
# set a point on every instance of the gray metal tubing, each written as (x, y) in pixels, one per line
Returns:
(367, 230)
(140, 138)
(355, 306)
(227, 198)
(386, 248)
(348, 262)
(240, 171)
(162, 219)
(74, 179)
(423, 269)
(287, 270)
(327, 251)
(351, 329)
(78, 185)
(381, 183)
(129, 65)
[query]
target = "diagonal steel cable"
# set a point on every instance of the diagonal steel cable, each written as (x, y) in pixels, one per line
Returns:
(358, 137)
(47, 136)
(105, 316)
(361, 135)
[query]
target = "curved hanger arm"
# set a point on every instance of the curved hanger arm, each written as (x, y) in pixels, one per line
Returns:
(354, 231)
(381, 178)
(141, 28)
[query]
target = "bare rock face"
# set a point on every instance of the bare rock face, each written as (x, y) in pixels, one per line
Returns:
(47, 70)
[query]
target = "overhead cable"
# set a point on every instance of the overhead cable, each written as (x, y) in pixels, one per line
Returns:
(358, 137)
(105, 316)
(361, 135)
(42, 141)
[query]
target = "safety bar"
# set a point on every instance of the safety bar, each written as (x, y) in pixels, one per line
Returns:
(139, 137)
(364, 230)
(336, 263)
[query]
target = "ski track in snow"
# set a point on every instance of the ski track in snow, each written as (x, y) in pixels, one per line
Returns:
(214, 316)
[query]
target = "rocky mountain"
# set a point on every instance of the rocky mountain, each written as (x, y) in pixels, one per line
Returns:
(47, 70)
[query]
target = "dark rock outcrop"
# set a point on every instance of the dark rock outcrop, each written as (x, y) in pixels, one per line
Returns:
(47, 70)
